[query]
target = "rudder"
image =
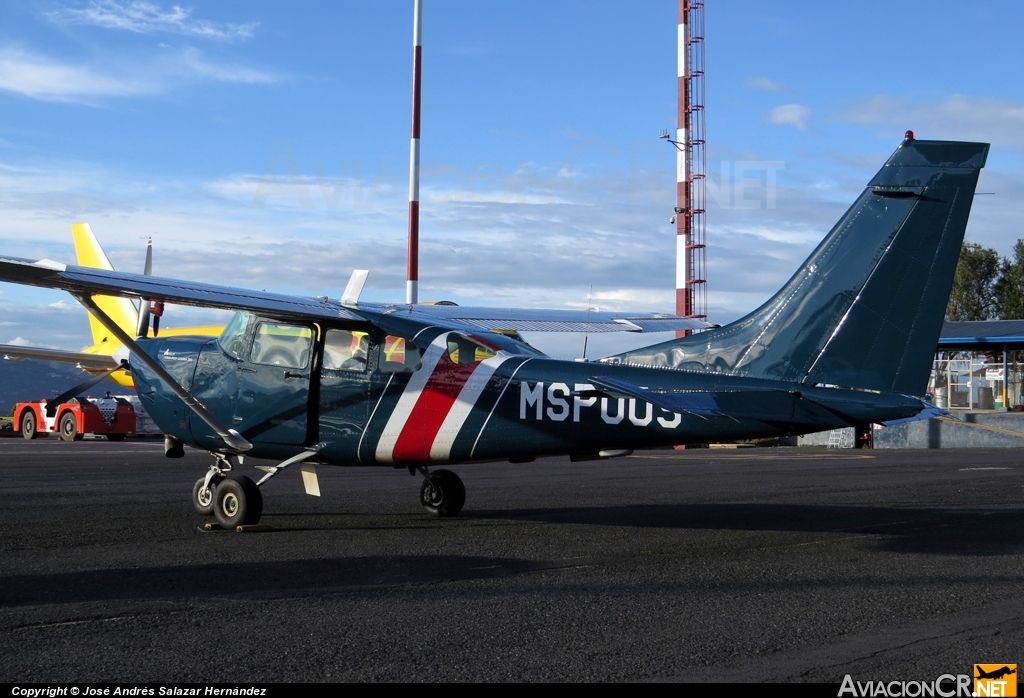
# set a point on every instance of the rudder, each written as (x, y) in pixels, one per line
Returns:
(90, 254)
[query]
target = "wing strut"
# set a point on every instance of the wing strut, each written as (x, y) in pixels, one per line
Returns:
(231, 437)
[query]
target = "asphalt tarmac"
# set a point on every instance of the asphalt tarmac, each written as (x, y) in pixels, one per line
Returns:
(743, 565)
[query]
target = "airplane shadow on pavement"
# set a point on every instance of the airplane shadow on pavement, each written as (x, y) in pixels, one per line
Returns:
(904, 530)
(274, 578)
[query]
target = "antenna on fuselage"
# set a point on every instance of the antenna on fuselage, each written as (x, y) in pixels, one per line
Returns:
(350, 298)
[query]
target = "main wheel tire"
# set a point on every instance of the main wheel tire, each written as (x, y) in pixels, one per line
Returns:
(69, 427)
(202, 498)
(237, 502)
(443, 494)
(28, 425)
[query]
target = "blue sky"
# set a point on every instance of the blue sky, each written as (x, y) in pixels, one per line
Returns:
(263, 145)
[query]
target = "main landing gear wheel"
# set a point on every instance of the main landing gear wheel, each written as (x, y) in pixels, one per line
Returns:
(202, 497)
(28, 425)
(237, 501)
(443, 494)
(69, 427)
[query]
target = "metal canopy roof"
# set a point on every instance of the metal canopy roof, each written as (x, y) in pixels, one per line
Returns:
(986, 335)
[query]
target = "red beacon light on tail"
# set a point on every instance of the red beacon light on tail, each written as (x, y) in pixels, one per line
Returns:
(909, 135)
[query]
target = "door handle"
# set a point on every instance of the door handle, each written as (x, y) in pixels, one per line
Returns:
(294, 374)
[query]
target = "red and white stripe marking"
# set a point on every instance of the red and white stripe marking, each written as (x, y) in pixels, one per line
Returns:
(434, 406)
(683, 303)
(413, 262)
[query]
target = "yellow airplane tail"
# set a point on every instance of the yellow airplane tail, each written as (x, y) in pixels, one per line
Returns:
(120, 310)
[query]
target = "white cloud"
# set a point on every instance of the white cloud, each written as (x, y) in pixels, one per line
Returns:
(790, 114)
(763, 83)
(145, 18)
(192, 64)
(956, 117)
(20, 342)
(44, 78)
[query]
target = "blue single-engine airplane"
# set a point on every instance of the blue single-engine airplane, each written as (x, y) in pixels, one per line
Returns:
(848, 341)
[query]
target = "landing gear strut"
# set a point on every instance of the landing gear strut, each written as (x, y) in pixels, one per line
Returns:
(236, 500)
(202, 491)
(442, 493)
(202, 494)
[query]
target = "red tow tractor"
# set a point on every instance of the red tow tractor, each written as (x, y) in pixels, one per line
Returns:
(113, 417)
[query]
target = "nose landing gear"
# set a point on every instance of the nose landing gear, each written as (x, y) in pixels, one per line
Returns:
(237, 501)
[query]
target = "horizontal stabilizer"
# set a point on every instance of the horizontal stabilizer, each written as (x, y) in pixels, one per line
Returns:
(928, 411)
(702, 404)
(768, 405)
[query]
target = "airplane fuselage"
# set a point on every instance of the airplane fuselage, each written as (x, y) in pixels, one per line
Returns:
(435, 396)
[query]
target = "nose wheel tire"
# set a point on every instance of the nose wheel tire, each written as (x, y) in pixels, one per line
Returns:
(202, 497)
(69, 427)
(443, 494)
(28, 425)
(237, 501)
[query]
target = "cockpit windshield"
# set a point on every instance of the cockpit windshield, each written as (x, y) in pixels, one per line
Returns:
(232, 339)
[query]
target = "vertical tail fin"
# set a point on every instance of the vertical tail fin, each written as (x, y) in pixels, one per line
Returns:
(866, 308)
(91, 254)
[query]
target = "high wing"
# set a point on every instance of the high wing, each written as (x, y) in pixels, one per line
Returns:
(86, 361)
(535, 320)
(85, 281)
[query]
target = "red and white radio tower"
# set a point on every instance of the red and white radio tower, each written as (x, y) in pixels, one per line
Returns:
(413, 261)
(691, 166)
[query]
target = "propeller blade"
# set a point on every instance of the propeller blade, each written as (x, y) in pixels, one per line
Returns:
(143, 326)
(156, 312)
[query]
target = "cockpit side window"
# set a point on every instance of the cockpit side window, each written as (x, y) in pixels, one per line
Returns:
(232, 339)
(281, 345)
(345, 350)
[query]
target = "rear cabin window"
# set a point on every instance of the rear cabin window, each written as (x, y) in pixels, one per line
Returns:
(287, 346)
(463, 350)
(345, 350)
(398, 355)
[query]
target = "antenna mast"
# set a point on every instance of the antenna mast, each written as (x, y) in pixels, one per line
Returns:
(691, 166)
(413, 264)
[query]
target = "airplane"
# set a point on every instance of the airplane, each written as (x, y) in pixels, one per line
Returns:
(995, 674)
(103, 358)
(848, 341)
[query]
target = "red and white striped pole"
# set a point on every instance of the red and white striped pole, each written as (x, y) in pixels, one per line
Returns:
(413, 265)
(684, 300)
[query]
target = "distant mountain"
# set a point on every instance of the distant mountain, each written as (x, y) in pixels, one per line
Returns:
(23, 381)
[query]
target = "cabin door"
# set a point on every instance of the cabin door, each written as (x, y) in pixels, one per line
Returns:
(273, 384)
